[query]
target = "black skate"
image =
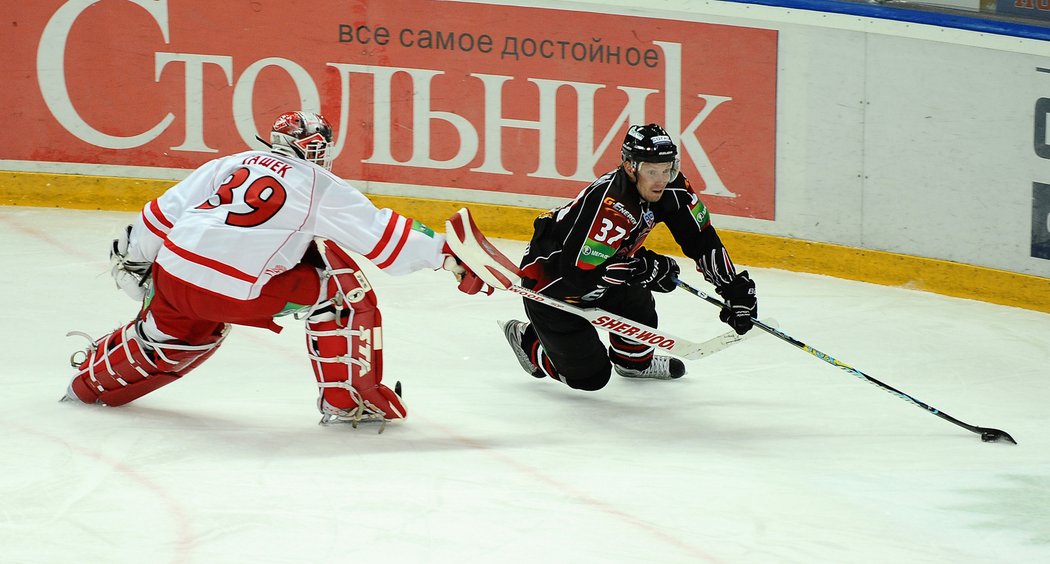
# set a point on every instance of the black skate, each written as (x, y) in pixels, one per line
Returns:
(661, 368)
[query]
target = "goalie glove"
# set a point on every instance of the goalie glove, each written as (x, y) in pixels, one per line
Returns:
(131, 276)
(469, 283)
(469, 250)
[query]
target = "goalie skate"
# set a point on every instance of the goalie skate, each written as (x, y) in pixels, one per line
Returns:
(365, 412)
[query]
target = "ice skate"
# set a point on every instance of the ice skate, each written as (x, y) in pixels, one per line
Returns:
(661, 368)
(332, 416)
(513, 330)
(70, 395)
(364, 412)
(353, 417)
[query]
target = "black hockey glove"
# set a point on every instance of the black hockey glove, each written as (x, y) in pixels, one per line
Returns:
(655, 272)
(618, 272)
(741, 303)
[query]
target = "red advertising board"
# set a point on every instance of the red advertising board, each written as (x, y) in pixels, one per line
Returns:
(445, 94)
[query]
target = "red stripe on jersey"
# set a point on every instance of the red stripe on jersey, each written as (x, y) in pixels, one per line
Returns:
(155, 208)
(405, 232)
(385, 239)
(212, 264)
(153, 228)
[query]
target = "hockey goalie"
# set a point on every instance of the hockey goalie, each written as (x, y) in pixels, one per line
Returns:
(249, 237)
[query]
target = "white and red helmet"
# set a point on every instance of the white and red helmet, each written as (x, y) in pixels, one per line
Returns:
(303, 135)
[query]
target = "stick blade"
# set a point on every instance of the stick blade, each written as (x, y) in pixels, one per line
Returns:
(990, 435)
(721, 342)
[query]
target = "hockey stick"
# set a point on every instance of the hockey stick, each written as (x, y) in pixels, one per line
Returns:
(633, 330)
(496, 270)
(987, 434)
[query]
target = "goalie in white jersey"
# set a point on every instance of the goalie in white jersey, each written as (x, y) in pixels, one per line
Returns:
(252, 236)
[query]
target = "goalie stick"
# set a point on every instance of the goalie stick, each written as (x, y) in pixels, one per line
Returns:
(496, 270)
(988, 434)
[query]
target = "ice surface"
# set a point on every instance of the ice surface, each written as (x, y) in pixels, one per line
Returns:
(761, 454)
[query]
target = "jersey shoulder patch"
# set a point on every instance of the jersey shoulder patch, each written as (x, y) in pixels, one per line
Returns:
(420, 227)
(696, 207)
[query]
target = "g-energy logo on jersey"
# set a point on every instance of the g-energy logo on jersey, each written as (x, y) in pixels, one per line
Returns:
(593, 253)
(619, 207)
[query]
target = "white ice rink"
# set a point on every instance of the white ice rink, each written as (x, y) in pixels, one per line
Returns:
(761, 454)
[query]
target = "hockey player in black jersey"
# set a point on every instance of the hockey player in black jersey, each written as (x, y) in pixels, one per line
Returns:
(589, 252)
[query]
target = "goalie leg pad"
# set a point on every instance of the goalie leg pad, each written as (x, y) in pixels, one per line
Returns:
(344, 340)
(125, 365)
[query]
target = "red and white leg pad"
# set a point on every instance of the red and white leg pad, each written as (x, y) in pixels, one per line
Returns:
(124, 365)
(344, 340)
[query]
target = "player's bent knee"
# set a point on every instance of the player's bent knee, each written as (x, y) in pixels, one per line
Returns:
(591, 381)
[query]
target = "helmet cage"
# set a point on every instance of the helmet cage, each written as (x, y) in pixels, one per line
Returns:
(304, 135)
(315, 149)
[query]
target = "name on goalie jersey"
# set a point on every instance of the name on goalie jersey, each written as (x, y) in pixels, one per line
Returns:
(271, 163)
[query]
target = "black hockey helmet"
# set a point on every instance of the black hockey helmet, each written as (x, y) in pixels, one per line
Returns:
(648, 144)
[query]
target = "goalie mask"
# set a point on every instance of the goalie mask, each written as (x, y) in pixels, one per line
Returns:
(649, 144)
(304, 135)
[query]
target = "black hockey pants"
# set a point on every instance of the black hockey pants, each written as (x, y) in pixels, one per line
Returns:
(574, 346)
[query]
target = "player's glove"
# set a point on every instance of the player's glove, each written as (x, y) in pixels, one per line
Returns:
(618, 271)
(469, 283)
(131, 276)
(655, 271)
(741, 303)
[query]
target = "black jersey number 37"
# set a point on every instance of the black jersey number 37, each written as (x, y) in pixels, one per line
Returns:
(264, 197)
(609, 233)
